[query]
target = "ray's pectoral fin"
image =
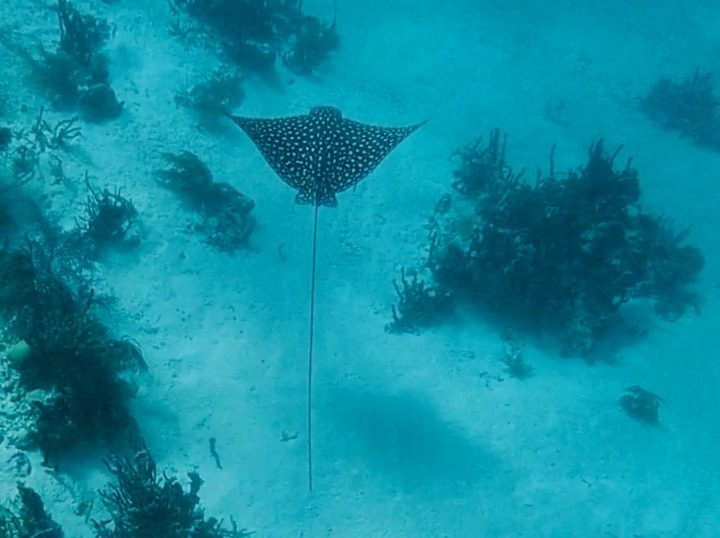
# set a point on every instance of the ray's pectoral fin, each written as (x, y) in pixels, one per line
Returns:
(283, 142)
(361, 149)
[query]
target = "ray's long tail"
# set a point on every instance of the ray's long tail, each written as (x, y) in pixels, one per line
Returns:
(311, 350)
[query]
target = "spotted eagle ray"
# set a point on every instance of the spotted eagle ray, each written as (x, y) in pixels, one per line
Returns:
(319, 155)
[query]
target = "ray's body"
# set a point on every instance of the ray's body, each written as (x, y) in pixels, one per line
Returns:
(320, 154)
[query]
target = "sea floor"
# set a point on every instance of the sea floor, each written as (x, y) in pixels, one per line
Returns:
(414, 435)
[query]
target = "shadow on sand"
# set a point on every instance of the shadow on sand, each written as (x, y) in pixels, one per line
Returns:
(403, 437)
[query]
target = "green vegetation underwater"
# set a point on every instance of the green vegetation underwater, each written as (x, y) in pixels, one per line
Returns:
(343, 268)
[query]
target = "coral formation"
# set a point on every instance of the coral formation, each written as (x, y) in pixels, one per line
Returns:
(44, 136)
(481, 167)
(312, 43)
(6, 137)
(26, 148)
(71, 368)
(82, 36)
(690, 107)
(563, 254)
(641, 404)
(111, 219)
(57, 75)
(514, 361)
(143, 504)
(419, 305)
(98, 102)
(253, 34)
(75, 76)
(187, 176)
(30, 520)
(211, 98)
(227, 219)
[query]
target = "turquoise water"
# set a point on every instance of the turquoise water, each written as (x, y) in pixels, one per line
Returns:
(416, 434)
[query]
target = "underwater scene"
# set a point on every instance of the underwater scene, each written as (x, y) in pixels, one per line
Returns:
(344, 268)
